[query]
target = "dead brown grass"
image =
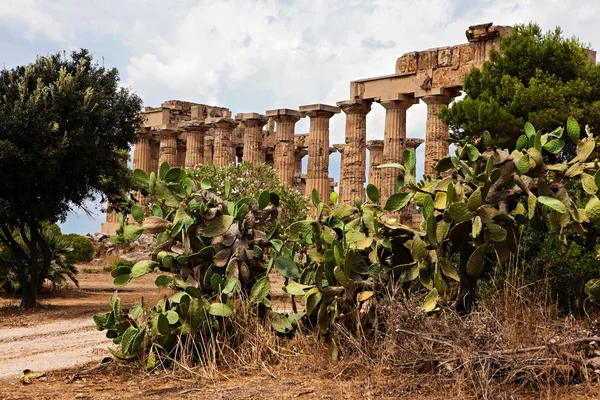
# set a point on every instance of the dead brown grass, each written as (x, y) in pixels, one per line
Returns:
(512, 343)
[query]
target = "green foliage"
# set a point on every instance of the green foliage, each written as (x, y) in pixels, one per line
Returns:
(210, 251)
(482, 201)
(83, 249)
(535, 77)
(61, 267)
(66, 127)
(560, 270)
(250, 180)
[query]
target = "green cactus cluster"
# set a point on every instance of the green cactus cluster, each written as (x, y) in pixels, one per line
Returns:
(209, 249)
(481, 196)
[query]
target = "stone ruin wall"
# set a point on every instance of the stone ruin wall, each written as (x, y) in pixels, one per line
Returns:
(188, 134)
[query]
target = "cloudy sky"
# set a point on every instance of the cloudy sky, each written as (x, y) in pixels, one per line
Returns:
(255, 55)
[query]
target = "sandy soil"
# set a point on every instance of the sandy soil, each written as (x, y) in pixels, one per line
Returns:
(61, 333)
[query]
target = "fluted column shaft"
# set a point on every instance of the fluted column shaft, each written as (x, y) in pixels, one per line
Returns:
(436, 132)
(284, 159)
(168, 147)
(317, 174)
(194, 154)
(142, 153)
(354, 159)
(223, 152)
(375, 159)
(394, 135)
(142, 159)
(253, 138)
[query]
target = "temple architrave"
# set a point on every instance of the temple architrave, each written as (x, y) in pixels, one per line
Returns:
(187, 134)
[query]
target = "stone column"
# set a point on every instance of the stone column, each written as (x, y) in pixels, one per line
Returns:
(284, 159)
(353, 167)
(317, 174)
(375, 159)
(168, 145)
(223, 152)
(155, 148)
(436, 132)
(253, 137)
(208, 148)
(142, 153)
(181, 151)
(142, 159)
(194, 154)
(394, 135)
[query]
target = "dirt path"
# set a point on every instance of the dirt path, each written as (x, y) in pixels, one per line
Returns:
(61, 333)
(52, 346)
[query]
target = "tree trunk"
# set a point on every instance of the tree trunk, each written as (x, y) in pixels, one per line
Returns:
(30, 282)
(29, 294)
(467, 294)
(27, 282)
(39, 241)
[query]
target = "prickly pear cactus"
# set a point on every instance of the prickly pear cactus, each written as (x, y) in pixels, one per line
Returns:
(210, 250)
(481, 196)
(339, 261)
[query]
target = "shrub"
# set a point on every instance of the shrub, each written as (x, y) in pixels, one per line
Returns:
(250, 180)
(83, 250)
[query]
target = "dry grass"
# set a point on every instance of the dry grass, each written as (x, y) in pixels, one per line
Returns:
(511, 343)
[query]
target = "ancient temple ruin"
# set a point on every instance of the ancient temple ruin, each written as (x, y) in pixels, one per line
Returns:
(188, 134)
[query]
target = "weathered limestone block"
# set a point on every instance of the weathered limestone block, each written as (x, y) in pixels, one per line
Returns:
(407, 63)
(318, 148)
(284, 157)
(484, 32)
(375, 148)
(436, 133)
(353, 167)
(253, 137)
(223, 152)
(394, 135)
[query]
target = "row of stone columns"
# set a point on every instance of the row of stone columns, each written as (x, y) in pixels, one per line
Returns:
(353, 161)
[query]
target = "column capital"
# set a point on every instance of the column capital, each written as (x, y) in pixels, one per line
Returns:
(374, 144)
(222, 122)
(194, 126)
(319, 110)
(169, 130)
(361, 107)
(413, 143)
(339, 147)
(252, 119)
(397, 101)
(284, 115)
(145, 133)
(437, 95)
